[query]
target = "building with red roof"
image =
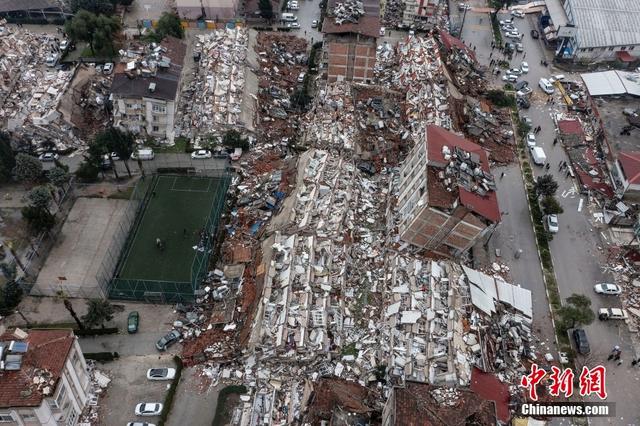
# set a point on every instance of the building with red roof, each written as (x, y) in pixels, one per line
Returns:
(628, 167)
(447, 199)
(43, 378)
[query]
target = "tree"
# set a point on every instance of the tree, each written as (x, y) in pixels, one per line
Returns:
(168, 25)
(500, 98)
(69, 307)
(38, 219)
(234, 139)
(577, 311)
(10, 296)
(550, 205)
(58, 177)
(94, 6)
(99, 311)
(546, 186)
(27, 168)
(266, 9)
(40, 197)
(99, 31)
(87, 172)
(115, 140)
(7, 158)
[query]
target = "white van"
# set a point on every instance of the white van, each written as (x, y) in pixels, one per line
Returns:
(546, 86)
(538, 156)
(143, 154)
(289, 17)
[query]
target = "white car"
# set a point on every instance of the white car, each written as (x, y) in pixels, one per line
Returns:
(506, 21)
(515, 71)
(314, 24)
(64, 44)
(293, 5)
(525, 91)
(52, 59)
(552, 223)
(148, 409)
(514, 35)
(293, 25)
(508, 27)
(48, 156)
(607, 289)
(557, 77)
(531, 139)
(108, 68)
(201, 154)
(161, 373)
(519, 47)
(524, 67)
(511, 78)
(517, 13)
(301, 77)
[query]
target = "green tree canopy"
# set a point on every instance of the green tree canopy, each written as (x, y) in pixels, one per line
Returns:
(99, 31)
(58, 176)
(27, 168)
(99, 311)
(550, 205)
(38, 219)
(546, 186)
(40, 197)
(168, 25)
(87, 172)
(7, 158)
(93, 6)
(577, 311)
(234, 139)
(266, 9)
(115, 140)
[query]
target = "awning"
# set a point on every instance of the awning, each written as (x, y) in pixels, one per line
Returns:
(625, 56)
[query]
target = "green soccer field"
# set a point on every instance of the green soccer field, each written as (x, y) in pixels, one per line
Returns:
(176, 212)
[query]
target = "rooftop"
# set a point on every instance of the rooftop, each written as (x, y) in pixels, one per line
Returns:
(570, 127)
(350, 16)
(605, 22)
(144, 66)
(450, 41)
(630, 162)
(416, 404)
(366, 25)
(607, 83)
(464, 166)
(42, 365)
(611, 113)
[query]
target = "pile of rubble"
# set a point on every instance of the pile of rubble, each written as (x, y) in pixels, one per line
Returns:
(30, 91)
(393, 11)
(212, 100)
(490, 128)
(99, 383)
(386, 61)
(283, 58)
(348, 11)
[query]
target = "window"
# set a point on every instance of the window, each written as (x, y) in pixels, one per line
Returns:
(155, 118)
(623, 48)
(159, 108)
(155, 128)
(28, 416)
(611, 48)
(129, 105)
(6, 418)
(61, 394)
(591, 49)
(73, 416)
(631, 47)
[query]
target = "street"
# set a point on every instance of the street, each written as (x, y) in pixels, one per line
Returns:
(577, 250)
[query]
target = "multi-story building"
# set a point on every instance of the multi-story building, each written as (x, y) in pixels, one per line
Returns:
(447, 199)
(146, 90)
(43, 378)
(207, 9)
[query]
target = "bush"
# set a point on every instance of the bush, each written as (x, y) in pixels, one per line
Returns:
(95, 331)
(500, 98)
(87, 172)
(222, 398)
(102, 356)
(168, 400)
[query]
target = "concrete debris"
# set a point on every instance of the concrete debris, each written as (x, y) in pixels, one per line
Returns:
(348, 11)
(98, 385)
(211, 102)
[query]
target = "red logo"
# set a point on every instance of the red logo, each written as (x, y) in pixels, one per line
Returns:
(592, 381)
(530, 381)
(561, 382)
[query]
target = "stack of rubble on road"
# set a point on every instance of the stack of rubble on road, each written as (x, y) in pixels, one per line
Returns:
(490, 128)
(393, 10)
(386, 61)
(348, 11)
(99, 383)
(212, 101)
(462, 64)
(31, 91)
(283, 58)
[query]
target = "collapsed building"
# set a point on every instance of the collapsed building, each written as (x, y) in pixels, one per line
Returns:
(448, 199)
(146, 86)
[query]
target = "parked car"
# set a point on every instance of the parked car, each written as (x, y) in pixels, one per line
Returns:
(607, 289)
(108, 68)
(52, 59)
(236, 154)
(167, 340)
(552, 223)
(535, 34)
(519, 47)
(515, 71)
(546, 86)
(531, 139)
(521, 84)
(314, 24)
(148, 409)
(524, 67)
(527, 120)
(293, 5)
(201, 154)
(509, 27)
(538, 156)
(161, 373)
(523, 103)
(506, 21)
(582, 344)
(301, 77)
(132, 322)
(463, 7)
(64, 45)
(509, 47)
(612, 313)
(514, 35)
(525, 91)
(511, 78)
(48, 156)
(293, 25)
(143, 154)
(517, 13)
(557, 77)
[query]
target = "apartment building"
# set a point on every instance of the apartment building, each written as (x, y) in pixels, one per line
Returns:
(448, 199)
(146, 88)
(43, 378)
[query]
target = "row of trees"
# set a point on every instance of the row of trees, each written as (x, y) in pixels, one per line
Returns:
(111, 141)
(38, 213)
(546, 188)
(99, 311)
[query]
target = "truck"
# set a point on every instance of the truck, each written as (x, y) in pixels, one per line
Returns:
(538, 155)
(612, 313)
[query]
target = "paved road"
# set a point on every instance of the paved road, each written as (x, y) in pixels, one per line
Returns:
(196, 400)
(308, 12)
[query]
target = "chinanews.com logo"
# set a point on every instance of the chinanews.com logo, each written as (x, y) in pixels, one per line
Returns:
(591, 382)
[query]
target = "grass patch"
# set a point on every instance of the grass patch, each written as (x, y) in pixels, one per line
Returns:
(181, 145)
(222, 415)
(122, 195)
(350, 350)
(168, 399)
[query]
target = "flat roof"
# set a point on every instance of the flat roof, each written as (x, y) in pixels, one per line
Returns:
(604, 23)
(557, 13)
(15, 5)
(607, 83)
(610, 111)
